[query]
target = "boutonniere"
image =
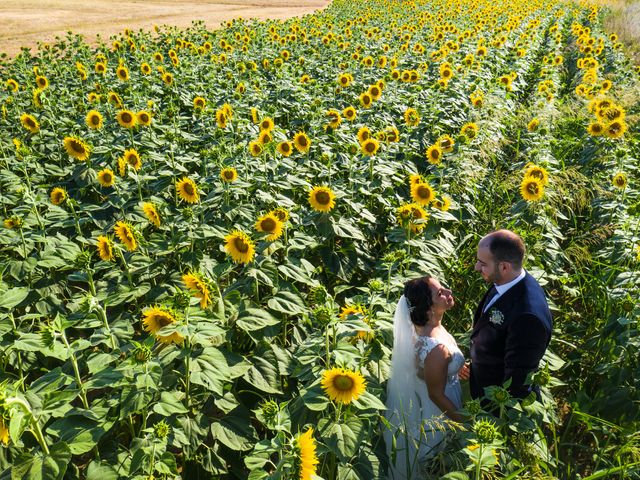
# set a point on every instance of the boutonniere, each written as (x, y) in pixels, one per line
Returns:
(496, 317)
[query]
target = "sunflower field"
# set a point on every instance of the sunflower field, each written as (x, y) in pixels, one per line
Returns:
(205, 234)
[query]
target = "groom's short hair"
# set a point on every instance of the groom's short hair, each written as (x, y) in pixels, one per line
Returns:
(506, 246)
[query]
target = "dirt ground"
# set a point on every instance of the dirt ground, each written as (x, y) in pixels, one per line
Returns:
(27, 22)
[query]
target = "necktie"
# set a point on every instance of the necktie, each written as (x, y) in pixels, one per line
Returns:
(490, 294)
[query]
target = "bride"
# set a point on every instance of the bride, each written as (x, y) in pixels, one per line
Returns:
(424, 389)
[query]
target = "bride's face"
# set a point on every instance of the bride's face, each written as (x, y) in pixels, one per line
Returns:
(442, 297)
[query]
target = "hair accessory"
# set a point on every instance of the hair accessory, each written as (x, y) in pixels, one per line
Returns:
(411, 308)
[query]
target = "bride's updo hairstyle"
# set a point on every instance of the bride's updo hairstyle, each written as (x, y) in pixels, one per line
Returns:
(418, 295)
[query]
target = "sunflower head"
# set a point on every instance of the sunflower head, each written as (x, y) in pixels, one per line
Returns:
(531, 189)
(411, 117)
(127, 235)
(334, 118)
(443, 204)
(619, 180)
(199, 104)
(104, 246)
(469, 130)
(106, 177)
(94, 120)
(370, 147)
(363, 134)
(196, 282)
(343, 385)
(307, 459)
(58, 195)
(187, 190)
(151, 212)
(434, 154)
(366, 100)
(240, 247)
(122, 73)
(538, 173)
(229, 174)
(595, 129)
(126, 118)
(76, 148)
(281, 214)
(616, 129)
(322, 199)
(143, 118)
(349, 113)
(154, 319)
(301, 142)
(132, 158)
(446, 143)
(270, 225)
(267, 124)
(255, 148)
(422, 193)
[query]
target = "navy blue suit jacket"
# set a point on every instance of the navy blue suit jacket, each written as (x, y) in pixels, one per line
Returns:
(512, 345)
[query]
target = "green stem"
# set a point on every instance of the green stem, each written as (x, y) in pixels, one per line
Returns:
(35, 427)
(126, 268)
(76, 370)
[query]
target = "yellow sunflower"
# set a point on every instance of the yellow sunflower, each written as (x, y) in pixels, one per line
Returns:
(532, 126)
(4, 439)
(365, 100)
(126, 118)
(350, 113)
(195, 281)
(100, 68)
(413, 216)
(221, 118)
(411, 117)
(42, 82)
(363, 134)
(334, 118)
(446, 143)
(145, 68)
(469, 130)
(106, 178)
(267, 124)
(122, 166)
(343, 385)
(538, 173)
(240, 247)
(151, 213)
(595, 129)
(29, 122)
(93, 120)
(391, 135)
(531, 189)
(302, 142)
(187, 190)
(12, 85)
(434, 154)
(122, 73)
(281, 214)
(199, 103)
(126, 234)
(422, 193)
(308, 460)
(229, 174)
(370, 147)
(255, 148)
(360, 311)
(76, 148)
(443, 204)
(271, 225)
(322, 199)
(344, 79)
(105, 248)
(167, 78)
(619, 180)
(265, 137)
(616, 129)
(58, 195)
(143, 118)
(285, 148)
(156, 318)
(114, 99)
(132, 157)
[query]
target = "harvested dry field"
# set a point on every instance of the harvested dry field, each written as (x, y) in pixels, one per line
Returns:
(27, 22)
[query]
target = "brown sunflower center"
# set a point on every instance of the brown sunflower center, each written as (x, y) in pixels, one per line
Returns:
(614, 127)
(58, 197)
(343, 383)
(144, 118)
(30, 122)
(370, 147)
(446, 143)
(163, 319)
(286, 147)
(268, 225)
(188, 188)
(126, 117)
(423, 192)
(323, 198)
(95, 120)
(302, 141)
(241, 245)
(532, 188)
(77, 146)
(107, 177)
(228, 174)
(435, 154)
(536, 174)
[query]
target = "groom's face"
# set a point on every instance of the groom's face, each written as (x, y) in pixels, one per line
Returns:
(487, 266)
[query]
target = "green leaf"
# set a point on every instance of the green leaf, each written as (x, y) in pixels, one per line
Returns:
(264, 376)
(287, 302)
(314, 398)
(234, 432)
(13, 297)
(169, 405)
(369, 400)
(345, 437)
(42, 466)
(101, 471)
(254, 319)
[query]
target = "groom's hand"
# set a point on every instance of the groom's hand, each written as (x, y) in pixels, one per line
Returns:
(464, 372)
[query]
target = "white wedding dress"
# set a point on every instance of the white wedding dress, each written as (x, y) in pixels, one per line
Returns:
(417, 425)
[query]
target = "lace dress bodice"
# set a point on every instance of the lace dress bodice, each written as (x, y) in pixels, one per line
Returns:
(424, 345)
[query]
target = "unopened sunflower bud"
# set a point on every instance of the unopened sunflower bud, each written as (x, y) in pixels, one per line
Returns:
(161, 430)
(485, 431)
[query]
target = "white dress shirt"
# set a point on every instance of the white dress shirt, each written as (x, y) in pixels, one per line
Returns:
(502, 289)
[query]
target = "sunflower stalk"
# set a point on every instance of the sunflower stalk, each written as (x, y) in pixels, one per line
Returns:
(18, 355)
(76, 370)
(33, 421)
(126, 268)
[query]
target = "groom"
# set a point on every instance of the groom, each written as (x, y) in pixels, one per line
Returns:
(512, 324)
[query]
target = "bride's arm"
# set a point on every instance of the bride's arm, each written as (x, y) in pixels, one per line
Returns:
(435, 376)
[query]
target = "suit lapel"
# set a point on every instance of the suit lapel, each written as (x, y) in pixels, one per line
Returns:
(504, 300)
